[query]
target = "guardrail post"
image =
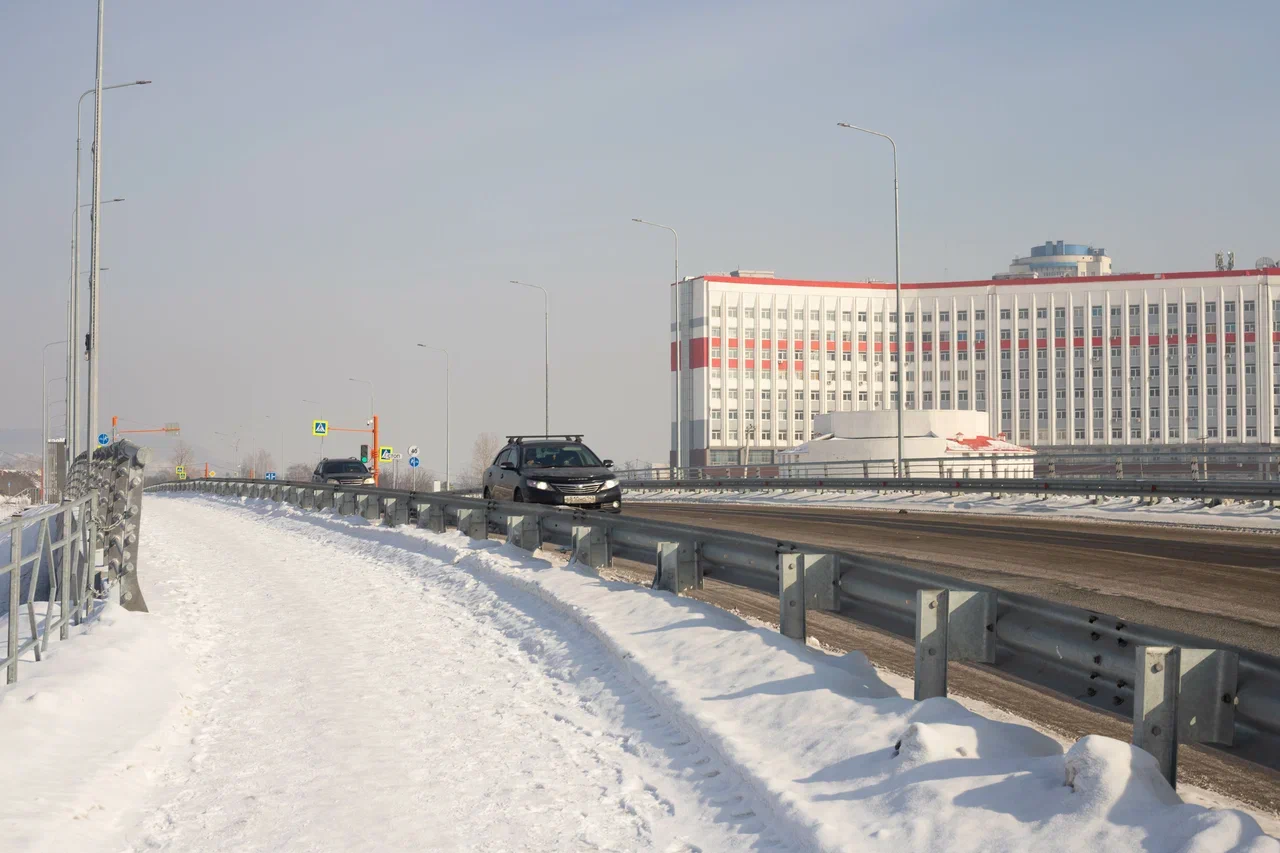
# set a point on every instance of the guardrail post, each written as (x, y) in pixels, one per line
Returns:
(524, 532)
(931, 643)
(821, 582)
(431, 516)
(323, 498)
(791, 597)
(591, 546)
(306, 498)
(1155, 707)
(15, 599)
(371, 509)
(1207, 683)
(473, 523)
(395, 511)
(971, 626)
(677, 567)
(344, 502)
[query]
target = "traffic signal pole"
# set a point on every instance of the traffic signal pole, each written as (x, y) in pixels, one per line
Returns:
(374, 453)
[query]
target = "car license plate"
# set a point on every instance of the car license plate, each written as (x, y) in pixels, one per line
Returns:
(579, 499)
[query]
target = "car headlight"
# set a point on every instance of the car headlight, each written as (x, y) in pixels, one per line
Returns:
(368, 481)
(609, 484)
(540, 485)
(332, 482)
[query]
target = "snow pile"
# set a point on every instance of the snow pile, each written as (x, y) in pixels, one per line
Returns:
(1253, 515)
(77, 727)
(13, 504)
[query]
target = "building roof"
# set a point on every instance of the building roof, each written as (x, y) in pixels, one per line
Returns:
(961, 443)
(987, 282)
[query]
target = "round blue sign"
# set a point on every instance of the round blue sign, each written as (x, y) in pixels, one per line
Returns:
(413, 462)
(103, 438)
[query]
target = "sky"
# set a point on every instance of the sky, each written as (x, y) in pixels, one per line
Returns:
(313, 189)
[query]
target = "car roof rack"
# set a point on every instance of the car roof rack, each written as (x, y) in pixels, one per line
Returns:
(519, 439)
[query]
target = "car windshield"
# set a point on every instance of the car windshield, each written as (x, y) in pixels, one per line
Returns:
(349, 466)
(558, 456)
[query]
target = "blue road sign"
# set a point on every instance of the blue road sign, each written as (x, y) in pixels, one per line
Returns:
(413, 462)
(270, 475)
(103, 438)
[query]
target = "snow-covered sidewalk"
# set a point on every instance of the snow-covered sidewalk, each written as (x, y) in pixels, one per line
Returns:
(1243, 515)
(308, 682)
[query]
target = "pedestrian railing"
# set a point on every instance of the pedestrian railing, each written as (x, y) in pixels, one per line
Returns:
(49, 556)
(1228, 697)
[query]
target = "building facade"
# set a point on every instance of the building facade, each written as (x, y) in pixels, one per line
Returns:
(1164, 358)
(1060, 260)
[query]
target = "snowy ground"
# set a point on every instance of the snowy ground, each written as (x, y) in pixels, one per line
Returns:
(313, 683)
(1249, 515)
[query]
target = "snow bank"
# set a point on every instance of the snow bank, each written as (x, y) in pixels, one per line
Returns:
(76, 728)
(1251, 515)
(843, 760)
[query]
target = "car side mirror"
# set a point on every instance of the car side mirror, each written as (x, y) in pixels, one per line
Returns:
(608, 463)
(507, 466)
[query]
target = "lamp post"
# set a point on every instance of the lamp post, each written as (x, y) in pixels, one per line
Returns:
(44, 420)
(679, 347)
(447, 469)
(73, 310)
(546, 353)
(897, 278)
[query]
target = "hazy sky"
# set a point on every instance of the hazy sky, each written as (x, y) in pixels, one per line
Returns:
(315, 187)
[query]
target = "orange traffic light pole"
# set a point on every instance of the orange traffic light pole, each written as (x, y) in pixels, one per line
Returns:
(116, 431)
(375, 453)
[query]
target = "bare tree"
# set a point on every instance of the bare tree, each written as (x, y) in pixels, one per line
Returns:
(482, 452)
(182, 454)
(299, 471)
(257, 464)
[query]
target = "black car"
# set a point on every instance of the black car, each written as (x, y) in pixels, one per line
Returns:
(344, 472)
(558, 470)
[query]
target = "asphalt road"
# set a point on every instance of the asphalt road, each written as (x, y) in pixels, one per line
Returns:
(1224, 585)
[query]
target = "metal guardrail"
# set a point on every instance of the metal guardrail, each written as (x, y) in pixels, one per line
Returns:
(1229, 696)
(1208, 490)
(102, 510)
(1211, 463)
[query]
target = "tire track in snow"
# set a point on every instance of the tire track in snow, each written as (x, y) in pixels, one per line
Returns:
(655, 770)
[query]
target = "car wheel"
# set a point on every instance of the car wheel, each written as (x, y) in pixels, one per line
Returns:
(517, 497)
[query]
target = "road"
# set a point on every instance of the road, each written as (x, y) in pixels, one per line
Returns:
(1220, 584)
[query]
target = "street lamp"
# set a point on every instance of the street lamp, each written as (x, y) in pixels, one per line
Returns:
(679, 346)
(370, 384)
(446, 413)
(73, 309)
(897, 277)
(546, 354)
(44, 420)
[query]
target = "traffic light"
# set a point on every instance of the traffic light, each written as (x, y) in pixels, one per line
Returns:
(364, 453)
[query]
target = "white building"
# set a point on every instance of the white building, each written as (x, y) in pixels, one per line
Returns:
(1163, 358)
(1060, 260)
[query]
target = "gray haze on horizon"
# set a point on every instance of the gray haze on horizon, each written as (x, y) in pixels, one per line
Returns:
(347, 181)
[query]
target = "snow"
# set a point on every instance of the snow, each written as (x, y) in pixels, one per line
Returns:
(1244, 515)
(309, 682)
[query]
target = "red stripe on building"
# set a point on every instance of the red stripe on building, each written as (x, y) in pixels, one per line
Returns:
(1210, 339)
(1231, 337)
(733, 363)
(847, 346)
(911, 347)
(862, 346)
(733, 342)
(879, 347)
(799, 345)
(1135, 340)
(1077, 342)
(675, 360)
(944, 344)
(1250, 337)
(980, 345)
(831, 346)
(1014, 282)
(1153, 340)
(1023, 343)
(893, 347)
(1059, 342)
(962, 344)
(926, 345)
(1192, 340)
(748, 364)
(766, 344)
(715, 362)
(1006, 344)
(715, 342)
(1042, 343)
(799, 366)
(699, 351)
(815, 344)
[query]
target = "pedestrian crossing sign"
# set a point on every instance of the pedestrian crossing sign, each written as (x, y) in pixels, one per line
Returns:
(384, 454)
(320, 428)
